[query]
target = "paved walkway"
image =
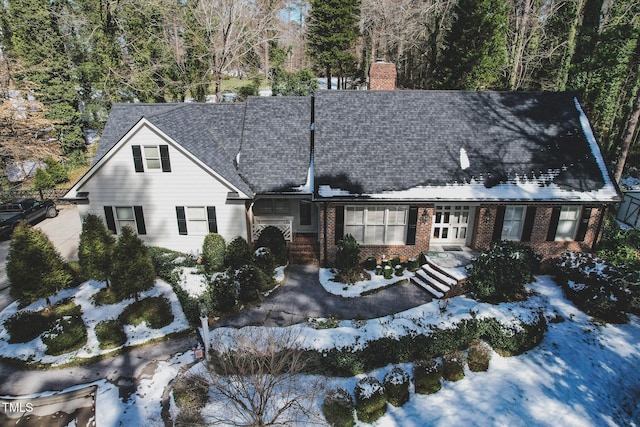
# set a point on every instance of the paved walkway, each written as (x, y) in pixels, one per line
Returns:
(302, 296)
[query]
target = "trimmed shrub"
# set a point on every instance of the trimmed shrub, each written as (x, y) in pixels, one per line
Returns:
(371, 401)
(237, 253)
(213, 252)
(154, 311)
(250, 281)
(271, 237)
(396, 386)
(453, 366)
(224, 291)
(110, 334)
(395, 261)
(426, 376)
(598, 289)
(337, 408)
(379, 270)
(413, 264)
(499, 275)
(348, 255)
(388, 272)
(67, 334)
(25, 326)
(478, 356)
(370, 263)
(165, 261)
(398, 270)
(263, 259)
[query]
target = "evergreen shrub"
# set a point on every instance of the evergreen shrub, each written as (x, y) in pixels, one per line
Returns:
(478, 356)
(250, 281)
(453, 366)
(213, 252)
(371, 401)
(42, 179)
(499, 275)
(271, 237)
(154, 311)
(370, 263)
(110, 334)
(26, 325)
(264, 260)
(223, 291)
(67, 333)
(388, 272)
(399, 270)
(237, 253)
(396, 385)
(56, 171)
(426, 376)
(337, 408)
(348, 255)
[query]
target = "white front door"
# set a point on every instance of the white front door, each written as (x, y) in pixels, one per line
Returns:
(451, 224)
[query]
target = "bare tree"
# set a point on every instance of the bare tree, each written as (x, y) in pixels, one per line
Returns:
(256, 378)
(629, 133)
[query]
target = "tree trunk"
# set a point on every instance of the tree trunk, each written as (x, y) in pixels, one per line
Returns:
(328, 78)
(629, 132)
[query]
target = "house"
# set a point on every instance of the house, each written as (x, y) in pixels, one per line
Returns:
(401, 171)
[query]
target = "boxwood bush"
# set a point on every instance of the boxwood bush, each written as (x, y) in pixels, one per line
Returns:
(264, 260)
(110, 334)
(371, 401)
(453, 366)
(68, 333)
(396, 385)
(426, 376)
(337, 408)
(213, 252)
(223, 291)
(478, 356)
(237, 253)
(250, 281)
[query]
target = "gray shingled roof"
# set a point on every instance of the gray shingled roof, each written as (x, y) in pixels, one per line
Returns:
(211, 132)
(276, 143)
(369, 142)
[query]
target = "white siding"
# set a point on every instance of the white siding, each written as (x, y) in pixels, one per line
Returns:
(117, 184)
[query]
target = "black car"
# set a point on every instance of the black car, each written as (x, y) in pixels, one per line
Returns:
(24, 210)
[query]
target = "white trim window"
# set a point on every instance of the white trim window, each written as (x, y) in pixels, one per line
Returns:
(568, 222)
(272, 207)
(125, 216)
(377, 225)
(151, 155)
(197, 221)
(513, 222)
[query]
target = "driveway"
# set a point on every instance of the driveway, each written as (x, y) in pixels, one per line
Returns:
(64, 233)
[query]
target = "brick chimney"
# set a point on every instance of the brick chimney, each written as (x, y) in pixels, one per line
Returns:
(382, 75)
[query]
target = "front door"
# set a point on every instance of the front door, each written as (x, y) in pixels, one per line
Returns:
(451, 224)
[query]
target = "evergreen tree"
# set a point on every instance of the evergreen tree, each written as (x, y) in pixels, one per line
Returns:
(333, 28)
(475, 46)
(95, 250)
(37, 41)
(35, 268)
(132, 266)
(56, 171)
(42, 179)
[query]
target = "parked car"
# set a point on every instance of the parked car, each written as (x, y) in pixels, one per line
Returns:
(24, 210)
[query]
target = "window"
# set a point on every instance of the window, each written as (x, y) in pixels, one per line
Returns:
(513, 222)
(153, 157)
(568, 222)
(196, 220)
(375, 225)
(305, 212)
(121, 216)
(271, 207)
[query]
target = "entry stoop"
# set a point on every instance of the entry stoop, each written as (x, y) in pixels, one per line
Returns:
(304, 249)
(441, 282)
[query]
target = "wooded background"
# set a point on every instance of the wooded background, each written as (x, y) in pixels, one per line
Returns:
(64, 62)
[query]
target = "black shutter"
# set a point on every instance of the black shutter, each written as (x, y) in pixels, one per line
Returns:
(553, 224)
(497, 225)
(527, 227)
(412, 228)
(182, 220)
(137, 158)
(211, 217)
(164, 158)
(339, 231)
(111, 222)
(137, 210)
(583, 225)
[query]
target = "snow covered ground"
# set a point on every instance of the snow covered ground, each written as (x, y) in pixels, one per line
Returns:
(582, 374)
(91, 314)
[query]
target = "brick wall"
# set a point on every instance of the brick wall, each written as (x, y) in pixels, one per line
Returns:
(423, 234)
(485, 220)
